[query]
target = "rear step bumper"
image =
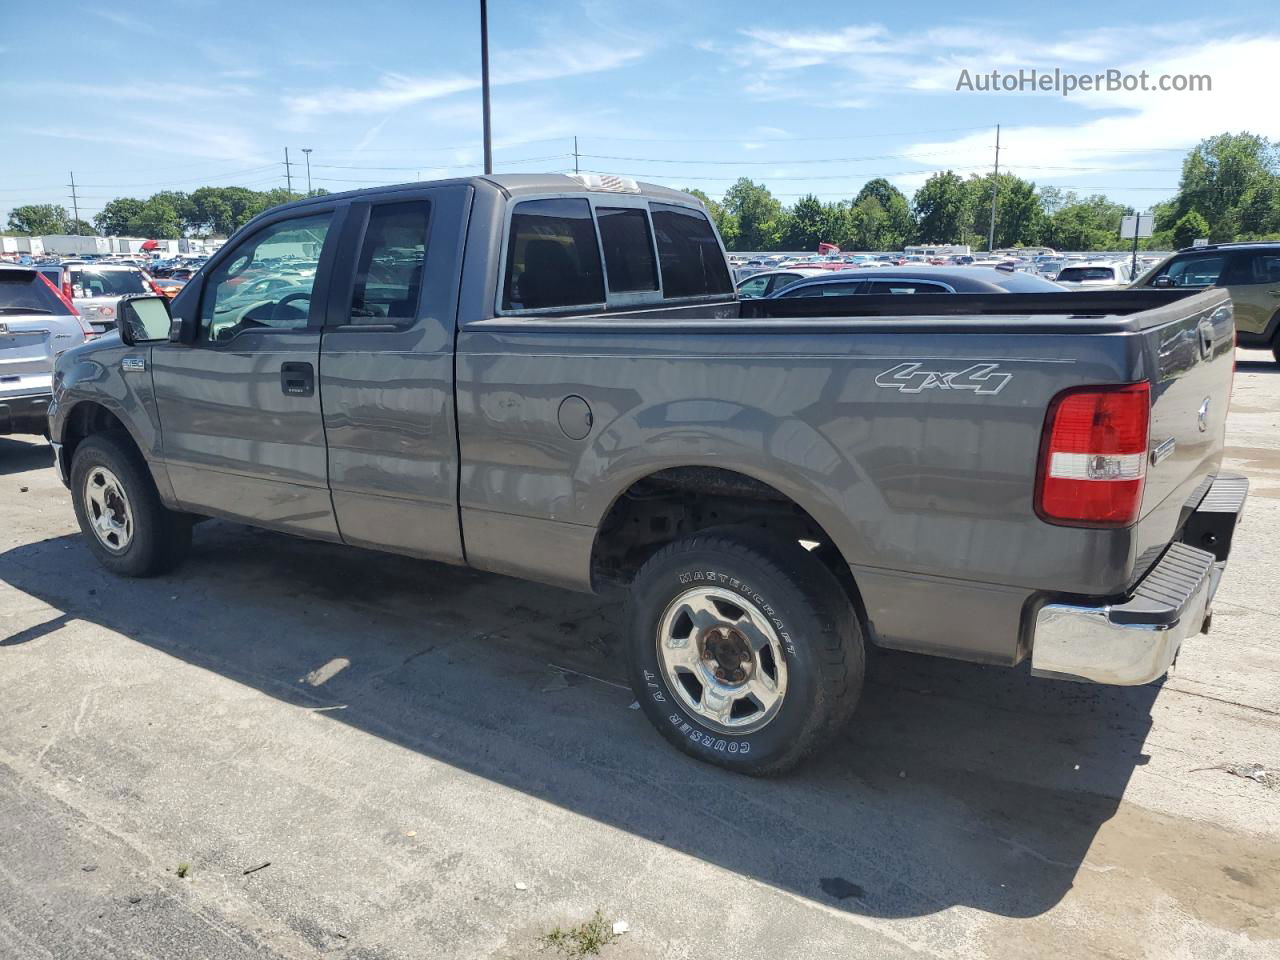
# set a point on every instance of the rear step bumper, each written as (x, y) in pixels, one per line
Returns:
(1136, 641)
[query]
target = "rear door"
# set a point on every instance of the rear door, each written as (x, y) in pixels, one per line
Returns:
(386, 373)
(239, 409)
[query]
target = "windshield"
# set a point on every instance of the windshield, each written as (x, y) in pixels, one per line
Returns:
(107, 283)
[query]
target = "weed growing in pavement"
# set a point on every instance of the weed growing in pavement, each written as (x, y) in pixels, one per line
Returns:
(585, 940)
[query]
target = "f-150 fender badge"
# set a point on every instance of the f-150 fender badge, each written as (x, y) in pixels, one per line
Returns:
(983, 378)
(133, 364)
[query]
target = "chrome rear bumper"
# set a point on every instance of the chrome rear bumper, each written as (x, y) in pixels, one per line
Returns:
(1137, 640)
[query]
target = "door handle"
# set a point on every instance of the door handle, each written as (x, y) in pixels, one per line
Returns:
(297, 379)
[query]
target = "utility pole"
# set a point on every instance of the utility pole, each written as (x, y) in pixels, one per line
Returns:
(307, 153)
(575, 154)
(484, 84)
(995, 189)
(75, 203)
(288, 173)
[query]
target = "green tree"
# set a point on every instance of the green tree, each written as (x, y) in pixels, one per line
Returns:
(1190, 227)
(897, 227)
(943, 210)
(805, 225)
(1089, 224)
(157, 219)
(758, 214)
(114, 218)
(1217, 175)
(35, 219)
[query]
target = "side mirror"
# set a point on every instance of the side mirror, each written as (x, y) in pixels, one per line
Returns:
(143, 319)
(1164, 281)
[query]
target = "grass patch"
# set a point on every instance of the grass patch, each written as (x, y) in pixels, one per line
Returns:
(586, 939)
(183, 870)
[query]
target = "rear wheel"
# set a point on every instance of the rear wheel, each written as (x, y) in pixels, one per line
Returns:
(120, 514)
(744, 651)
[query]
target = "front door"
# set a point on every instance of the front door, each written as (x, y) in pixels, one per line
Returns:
(239, 408)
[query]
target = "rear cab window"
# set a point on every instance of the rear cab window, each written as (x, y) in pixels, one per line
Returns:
(690, 256)
(585, 253)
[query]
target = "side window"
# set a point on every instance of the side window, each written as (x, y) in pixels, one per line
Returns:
(1257, 267)
(753, 287)
(905, 286)
(1202, 271)
(628, 249)
(810, 290)
(781, 280)
(692, 264)
(289, 252)
(552, 256)
(388, 277)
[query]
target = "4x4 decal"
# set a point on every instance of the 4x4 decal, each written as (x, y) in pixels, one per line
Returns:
(981, 378)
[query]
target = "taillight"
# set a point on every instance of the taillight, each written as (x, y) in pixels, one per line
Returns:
(89, 332)
(1093, 458)
(67, 292)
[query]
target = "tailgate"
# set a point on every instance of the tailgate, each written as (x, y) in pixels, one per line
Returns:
(1188, 353)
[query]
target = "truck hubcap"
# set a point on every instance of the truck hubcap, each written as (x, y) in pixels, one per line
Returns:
(108, 510)
(723, 659)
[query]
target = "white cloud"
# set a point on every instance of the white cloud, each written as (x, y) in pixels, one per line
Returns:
(1128, 123)
(394, 90)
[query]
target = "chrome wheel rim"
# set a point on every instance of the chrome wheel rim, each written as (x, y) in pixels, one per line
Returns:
(107, 509)
(723, 659)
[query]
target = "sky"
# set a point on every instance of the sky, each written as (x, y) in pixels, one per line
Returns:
(819, 98)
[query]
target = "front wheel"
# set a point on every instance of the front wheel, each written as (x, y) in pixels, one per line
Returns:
(744, 651)
(127, 527)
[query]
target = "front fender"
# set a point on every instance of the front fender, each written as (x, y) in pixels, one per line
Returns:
(97, 373)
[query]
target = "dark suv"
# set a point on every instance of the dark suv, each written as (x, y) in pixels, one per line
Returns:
(1249, 271)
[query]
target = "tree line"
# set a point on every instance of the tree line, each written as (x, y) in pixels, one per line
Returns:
(167, 215)
(1229, 190)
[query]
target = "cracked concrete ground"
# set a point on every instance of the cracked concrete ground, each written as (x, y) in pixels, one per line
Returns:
(389, 736)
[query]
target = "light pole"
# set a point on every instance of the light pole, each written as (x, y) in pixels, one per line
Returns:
(307, 153)
(484, 84)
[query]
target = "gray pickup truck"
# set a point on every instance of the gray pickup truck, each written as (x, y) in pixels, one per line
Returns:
(551, 377)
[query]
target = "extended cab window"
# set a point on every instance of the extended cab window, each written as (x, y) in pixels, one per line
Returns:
(388, 278)
(628, 249)
(552, 256)
(239, 294)
(690, 257)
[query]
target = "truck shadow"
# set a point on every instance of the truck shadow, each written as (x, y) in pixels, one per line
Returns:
(956, 784)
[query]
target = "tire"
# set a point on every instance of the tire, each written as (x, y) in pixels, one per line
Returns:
(140, 537)
(786, 703)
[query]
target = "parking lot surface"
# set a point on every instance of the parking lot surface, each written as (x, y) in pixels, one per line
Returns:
(434, 762)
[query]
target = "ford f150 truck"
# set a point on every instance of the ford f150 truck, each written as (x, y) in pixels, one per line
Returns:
(551, 377)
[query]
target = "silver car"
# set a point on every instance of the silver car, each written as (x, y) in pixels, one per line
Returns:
(96, 288)
(37, 325)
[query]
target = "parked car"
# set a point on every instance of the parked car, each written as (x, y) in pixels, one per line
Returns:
(920, 279)
(1096, 275)
(553, 378)
(1249, 271)
(168, 286)
(37, 325)
(763, 284)
(95, 288)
